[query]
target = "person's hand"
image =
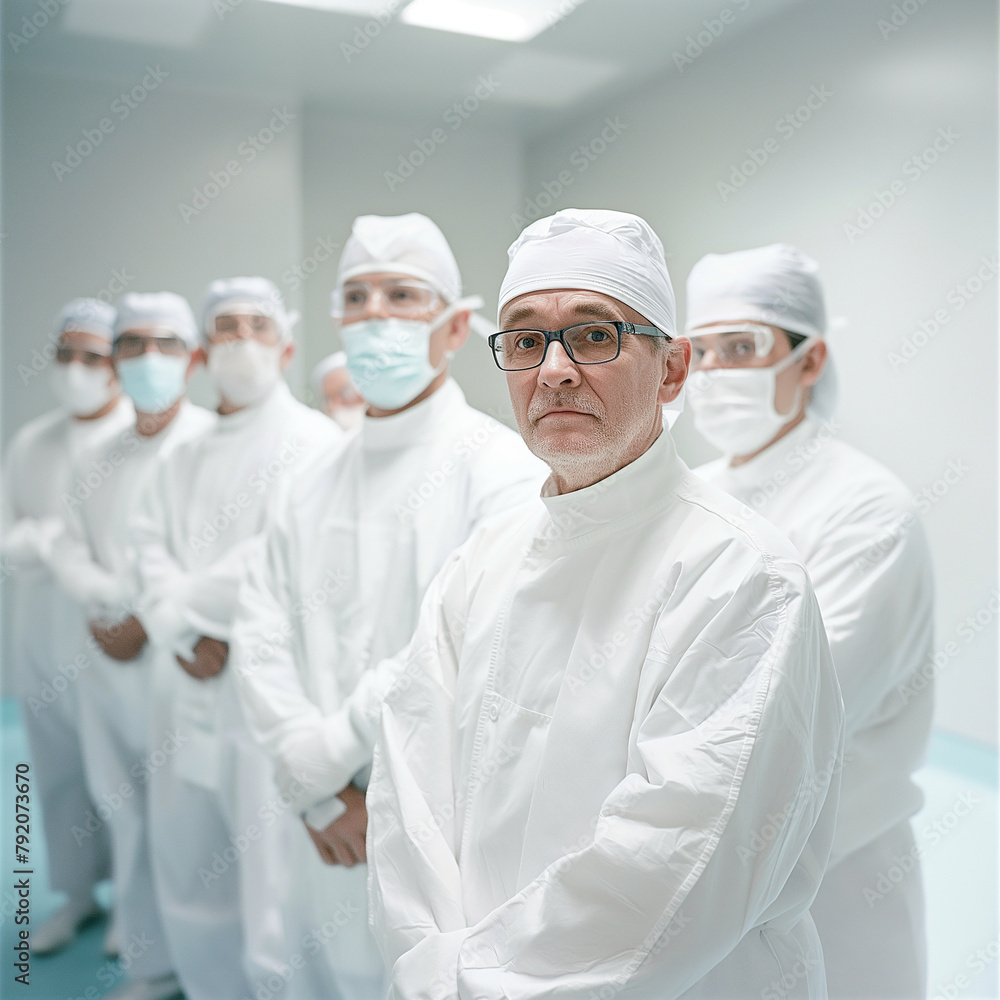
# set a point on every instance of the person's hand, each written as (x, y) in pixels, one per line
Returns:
(209, 658)
(122, 640)
(343, 841)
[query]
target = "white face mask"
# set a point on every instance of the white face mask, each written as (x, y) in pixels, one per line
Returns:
(244, 370)
(734, 407)
(81, 389)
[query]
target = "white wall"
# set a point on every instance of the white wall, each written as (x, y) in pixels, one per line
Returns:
(889, 99)
(118, 211)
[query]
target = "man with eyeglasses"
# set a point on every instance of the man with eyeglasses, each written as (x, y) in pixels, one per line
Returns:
(154, 352)
(612, 770)
(351, 548)
(216, 869)
(764, 394)
(45, 625)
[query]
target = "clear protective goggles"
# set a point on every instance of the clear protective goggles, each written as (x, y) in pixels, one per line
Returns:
(131, 344)
(735, 345)
(243, 325)
(403, 297)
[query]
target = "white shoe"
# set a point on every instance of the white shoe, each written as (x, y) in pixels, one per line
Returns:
(111, 946)
(60, 929)
(147, 989)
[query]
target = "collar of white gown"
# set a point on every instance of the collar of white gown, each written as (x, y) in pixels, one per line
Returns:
(633, 494)
(773, 459)
(274, 400)
(417, 424)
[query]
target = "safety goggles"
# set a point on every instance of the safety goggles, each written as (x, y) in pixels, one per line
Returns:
(243, 326)
(131, 345)
(403, 297)
(65, 355)
(735, 345)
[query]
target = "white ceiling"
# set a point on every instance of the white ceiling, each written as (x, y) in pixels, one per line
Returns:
(599, 50)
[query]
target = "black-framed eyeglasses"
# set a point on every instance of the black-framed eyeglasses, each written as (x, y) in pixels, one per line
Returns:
(585, 343)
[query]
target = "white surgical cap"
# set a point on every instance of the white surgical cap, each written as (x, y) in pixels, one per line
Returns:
(142, 310)
(87, 316)
(401, 244)
(246, 295)
(329, 364)
(777, 285)
(614, 253)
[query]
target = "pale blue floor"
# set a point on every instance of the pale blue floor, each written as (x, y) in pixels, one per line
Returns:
(960, 873)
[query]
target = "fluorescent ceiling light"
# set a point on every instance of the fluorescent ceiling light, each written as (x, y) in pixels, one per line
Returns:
(506, 20)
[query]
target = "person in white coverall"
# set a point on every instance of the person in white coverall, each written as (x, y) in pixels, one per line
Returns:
(48, 646)
(764, 395)
(212, 804)
(351, 549)
(338, 398)
(610, 769)
(154, 353)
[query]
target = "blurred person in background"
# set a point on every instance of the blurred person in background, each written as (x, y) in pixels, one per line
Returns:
(154, 352)
(335, 391)
(196, 523)
(47, 627)
(764, 394)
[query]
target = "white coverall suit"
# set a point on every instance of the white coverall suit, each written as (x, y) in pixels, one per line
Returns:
(48, 633)
(612, 768)
(351, 549)
(95, 562)
(215, 860)
(855, 527)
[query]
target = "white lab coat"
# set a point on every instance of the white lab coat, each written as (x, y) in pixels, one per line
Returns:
(49, 642)
(610, 766)
(855, 527)
(95, 562)
(351, 549)
(216, 863)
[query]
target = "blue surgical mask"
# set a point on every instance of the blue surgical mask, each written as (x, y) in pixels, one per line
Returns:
(154, 381)
(388, 359)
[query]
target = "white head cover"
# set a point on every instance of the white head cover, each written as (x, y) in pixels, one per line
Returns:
(252, 296)
(412, 245)
(87, 316)
(614, 253)
(142, 310)
(777, 285)
(329, 364)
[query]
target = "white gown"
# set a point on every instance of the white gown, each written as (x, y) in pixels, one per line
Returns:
(351, 549)
(855, 527)
(95, 563)
(216, 862)
(610, 767)
(49, 643)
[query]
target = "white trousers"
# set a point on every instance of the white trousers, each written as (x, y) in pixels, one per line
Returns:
(49, 635)
(113, 723)
(326, 918)
(870, 916)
